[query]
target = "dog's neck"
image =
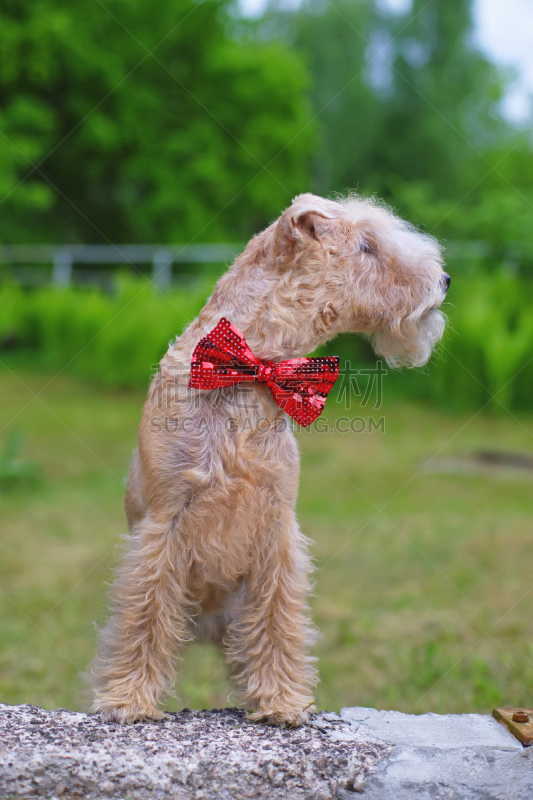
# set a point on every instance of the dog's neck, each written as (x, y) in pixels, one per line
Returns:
(258, 299)
(269, 333)
(265, 339)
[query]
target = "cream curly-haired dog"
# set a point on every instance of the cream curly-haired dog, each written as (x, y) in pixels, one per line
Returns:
(215, 548)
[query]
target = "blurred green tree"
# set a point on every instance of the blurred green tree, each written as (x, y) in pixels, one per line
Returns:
(124, 121)
(409, 109)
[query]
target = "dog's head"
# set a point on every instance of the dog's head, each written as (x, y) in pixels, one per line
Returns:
(360, 268)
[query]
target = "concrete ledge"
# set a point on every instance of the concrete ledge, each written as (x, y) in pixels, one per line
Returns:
(448, 757)
(218, 754)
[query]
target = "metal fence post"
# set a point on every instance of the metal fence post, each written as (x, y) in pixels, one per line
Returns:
(162, 269)
(62, 270)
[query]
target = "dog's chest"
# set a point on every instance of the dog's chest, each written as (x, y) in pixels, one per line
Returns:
(251, 449)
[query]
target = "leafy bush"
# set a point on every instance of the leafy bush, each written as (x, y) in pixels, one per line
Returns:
(492, 344)
(486, 358)
(115, 340)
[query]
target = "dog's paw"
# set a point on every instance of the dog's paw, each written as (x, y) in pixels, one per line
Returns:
(128, 715)
(288, 718)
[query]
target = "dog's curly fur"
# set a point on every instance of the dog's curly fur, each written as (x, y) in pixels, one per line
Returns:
(214, 547)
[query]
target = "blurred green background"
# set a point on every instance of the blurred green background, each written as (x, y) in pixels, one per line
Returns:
(194, 123)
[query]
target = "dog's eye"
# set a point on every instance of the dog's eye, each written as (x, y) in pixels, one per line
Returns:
(365, 247)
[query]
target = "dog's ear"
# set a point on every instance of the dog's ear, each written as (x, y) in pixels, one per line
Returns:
(304, 221)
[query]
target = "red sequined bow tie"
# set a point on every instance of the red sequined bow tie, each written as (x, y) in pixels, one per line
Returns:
(299, 386)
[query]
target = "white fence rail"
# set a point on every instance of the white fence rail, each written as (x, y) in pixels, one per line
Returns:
(65, 258)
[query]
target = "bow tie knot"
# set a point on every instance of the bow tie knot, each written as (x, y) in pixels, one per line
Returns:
(265, 371)
(299, 386)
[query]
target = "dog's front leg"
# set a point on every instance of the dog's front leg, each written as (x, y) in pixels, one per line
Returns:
(268, 642)
(150, 619)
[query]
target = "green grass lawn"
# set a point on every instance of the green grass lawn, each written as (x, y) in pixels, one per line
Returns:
(423, 606)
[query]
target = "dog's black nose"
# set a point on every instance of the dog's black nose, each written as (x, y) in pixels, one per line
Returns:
(446, 282)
